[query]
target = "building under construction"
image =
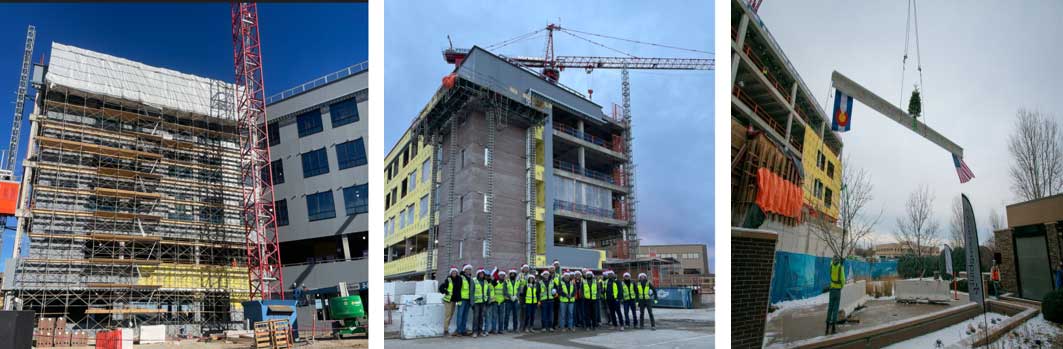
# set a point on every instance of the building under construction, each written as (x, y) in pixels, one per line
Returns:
(129, 203)
(505, 166)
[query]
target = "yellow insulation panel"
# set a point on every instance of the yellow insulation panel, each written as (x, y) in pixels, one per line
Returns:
(170, 275)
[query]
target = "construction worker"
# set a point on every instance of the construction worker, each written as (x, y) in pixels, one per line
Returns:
(494, 292)
(451, 289)
(547, 304)
(555, 270)
(590, 294)
(565, 297)
(529, 294)
(601, 304)
(837, 281)
(512, 299)
(613, 297)
(629, 302)
(577, 297)
(522, 280)
(479, 300)
(465, 302)
(647, 297)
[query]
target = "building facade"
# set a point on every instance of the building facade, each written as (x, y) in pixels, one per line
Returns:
(896, 250)
(778, 130)
(317, 135)
(1030, 248)
(522, 173)
(693, 258)
(130, 200)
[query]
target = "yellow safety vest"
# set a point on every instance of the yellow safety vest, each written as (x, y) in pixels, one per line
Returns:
(566, 292)
(837, 275)
(531, 294)
(629, 291)
(464, 288)
(616, 291)
(590, 290)
(512, 287)
(643, 290)
(450, 291)
(499, 295)
(481, 290)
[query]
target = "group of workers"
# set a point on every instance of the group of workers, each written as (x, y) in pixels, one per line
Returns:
(563, 300)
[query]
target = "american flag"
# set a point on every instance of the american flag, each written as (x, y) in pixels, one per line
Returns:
(961, 169)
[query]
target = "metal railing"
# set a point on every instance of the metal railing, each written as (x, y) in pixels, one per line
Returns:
(574, 168)
(583, 135)
(581, 208)
(307, 86)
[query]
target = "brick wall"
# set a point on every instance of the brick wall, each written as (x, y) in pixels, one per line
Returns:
(1007, 260)
(752, 262)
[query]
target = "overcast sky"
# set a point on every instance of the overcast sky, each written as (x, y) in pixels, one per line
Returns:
(672, 110)
(980, 65)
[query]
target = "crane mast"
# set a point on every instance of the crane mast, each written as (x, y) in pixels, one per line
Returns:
(20, 104)
(258, 214)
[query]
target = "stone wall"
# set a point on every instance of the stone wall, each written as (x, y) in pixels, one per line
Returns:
(752, 262)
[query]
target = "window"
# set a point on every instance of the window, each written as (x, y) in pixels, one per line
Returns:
(402, 219)
(485, 203)
(387, 201)
(424, 205)
(281, 209)
(409, 215)
(356, 199)
(820, 160)
(827, 196)
(315, 163)
(387, 232)
(394, 195)
(461, 203)
(406, 155)
(344, 112)
(320, 206)
(426, 169)
(350, 154)
(413, 180)
(487, 157)
(278, 171)
(405, 186)
(463, 158)
(830, 170)
(309, 122)
(274, 133)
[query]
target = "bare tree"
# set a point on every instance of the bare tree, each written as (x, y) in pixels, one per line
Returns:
(956, 237)
(1036, 147)
(996, 221)
(853, 225)
(917, 228)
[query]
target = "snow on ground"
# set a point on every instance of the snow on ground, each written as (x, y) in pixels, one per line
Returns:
(1035, 333)
(949, 335)
(821, 299)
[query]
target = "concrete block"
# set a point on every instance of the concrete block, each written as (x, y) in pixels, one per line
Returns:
(152, 334)
(426, 287)
(404, 288)
(127, 338)
(422, 321)
(430, 298)
(922, 290)
(389, 290)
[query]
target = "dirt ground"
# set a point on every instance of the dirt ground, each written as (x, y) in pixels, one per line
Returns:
(808, 322)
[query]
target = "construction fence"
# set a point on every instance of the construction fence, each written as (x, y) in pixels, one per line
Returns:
(800, 276)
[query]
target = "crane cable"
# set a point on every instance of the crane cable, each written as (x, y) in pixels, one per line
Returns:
(515, 39)
(634, 41)
(598, 44)
(913, 21)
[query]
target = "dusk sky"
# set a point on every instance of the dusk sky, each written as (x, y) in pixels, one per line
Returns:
(190, 38)
(672, 110)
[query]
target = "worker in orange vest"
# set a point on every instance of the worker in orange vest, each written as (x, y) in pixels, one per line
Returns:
(994, 277)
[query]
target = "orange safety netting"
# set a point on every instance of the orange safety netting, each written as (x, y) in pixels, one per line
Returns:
(778, 195)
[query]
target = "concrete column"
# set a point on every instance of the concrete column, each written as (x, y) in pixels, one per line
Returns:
(346, 248)
(583, 233)
(793, 103)
(743, 25)
(581, 151)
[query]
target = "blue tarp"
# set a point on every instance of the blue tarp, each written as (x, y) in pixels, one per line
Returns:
(799, 276)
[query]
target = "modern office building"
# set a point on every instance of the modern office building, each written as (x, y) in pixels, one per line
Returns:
(524, 170)
(317, 135)
(693, 258)
(1031, 246)
(778, 130)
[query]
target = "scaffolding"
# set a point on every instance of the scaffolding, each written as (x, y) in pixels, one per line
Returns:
(131, 214)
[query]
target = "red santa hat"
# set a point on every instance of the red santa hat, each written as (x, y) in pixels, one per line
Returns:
(453, 269)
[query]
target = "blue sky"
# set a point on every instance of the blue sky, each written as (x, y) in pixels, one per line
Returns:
(299, 42)
(672, 110)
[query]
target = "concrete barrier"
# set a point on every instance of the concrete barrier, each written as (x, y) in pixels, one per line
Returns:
(421, 321)
(852, 298)
(922, 290)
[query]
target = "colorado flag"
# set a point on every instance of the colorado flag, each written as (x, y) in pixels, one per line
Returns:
(843, 111)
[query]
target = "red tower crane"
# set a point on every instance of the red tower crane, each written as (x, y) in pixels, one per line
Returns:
(256, 179)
